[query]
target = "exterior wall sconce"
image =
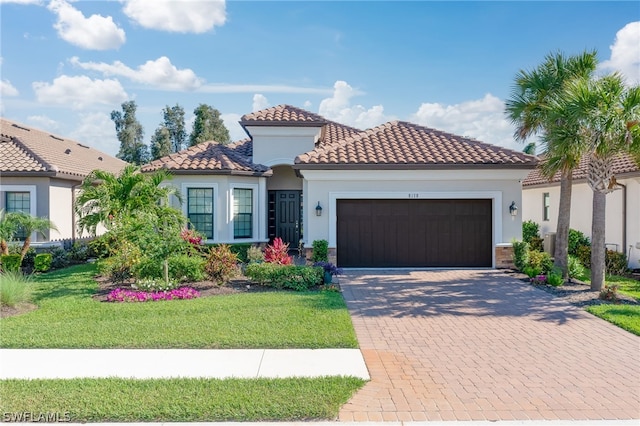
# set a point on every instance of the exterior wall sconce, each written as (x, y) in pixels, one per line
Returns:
(318, 209)
(513, 209)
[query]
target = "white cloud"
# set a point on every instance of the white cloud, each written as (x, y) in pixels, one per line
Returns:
(307, 104)
(265, 88)
(259, 102)
(236, 132)
(79, 91)
(187, 16)
(98, 131)
(338, 108)
(96, 32)
(625, 53)
(43, 122)
(7, 89)
(482, 119)
(160, 73)
(21, 1)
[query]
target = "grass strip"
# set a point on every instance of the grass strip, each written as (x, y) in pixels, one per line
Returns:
(624, 316)
(178, 400)
(68, 317)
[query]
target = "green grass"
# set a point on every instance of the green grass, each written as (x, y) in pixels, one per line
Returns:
(15, 288)
(179, 400)
(624, 316)
(68, 317)
(626, 285)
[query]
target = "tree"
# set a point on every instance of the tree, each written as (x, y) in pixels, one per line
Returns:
(530, 148)
(529, 109)
(160, 143)
(174, 123)
(607, 114)
(130, 134)
(105, 198)
(208, 126)
(8, 228)
(30, 224)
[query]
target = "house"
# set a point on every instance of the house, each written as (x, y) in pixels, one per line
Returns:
(40, 174)
(397, 195)
(540, 199)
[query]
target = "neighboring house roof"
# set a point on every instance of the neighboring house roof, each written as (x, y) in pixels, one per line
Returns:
(211, 158)
(26, 151)
(399, 144)
(622, 165)
(283, 115)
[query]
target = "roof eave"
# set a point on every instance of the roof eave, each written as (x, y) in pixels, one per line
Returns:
(190, 172)
(304, 166)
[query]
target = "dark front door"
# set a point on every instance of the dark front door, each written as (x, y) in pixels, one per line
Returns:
(413, 233)
(285, 216)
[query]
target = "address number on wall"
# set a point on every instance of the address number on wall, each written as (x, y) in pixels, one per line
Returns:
(414, 195)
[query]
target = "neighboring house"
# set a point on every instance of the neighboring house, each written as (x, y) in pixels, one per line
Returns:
(540, 200)
(397, 195)
(40, 174)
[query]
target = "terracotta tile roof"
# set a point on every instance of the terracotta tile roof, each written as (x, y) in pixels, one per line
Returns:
(335, 132)
(402, 144)
(26, 150)
(622, 164)
(211, 158)
(282, 115)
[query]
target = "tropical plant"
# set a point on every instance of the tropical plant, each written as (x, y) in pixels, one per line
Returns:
(575, 267)
(278, 253)
(607, 114)
(222, 264)
(520, 254)
(29, 225)
(42, 262)
(255, 254)
(8, 228)
(528, 109)
(10, 262)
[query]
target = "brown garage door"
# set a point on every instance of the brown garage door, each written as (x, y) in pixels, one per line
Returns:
(414, 233)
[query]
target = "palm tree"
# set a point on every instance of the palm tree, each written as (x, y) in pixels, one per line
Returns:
(30, 224)
(8, 228)
(105, 197)
(607, 114)
(528, 109)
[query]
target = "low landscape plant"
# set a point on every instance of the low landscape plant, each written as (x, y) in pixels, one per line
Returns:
(575, 268)
(10, 262)
(531, 271)
(42, 262)
(292, 277)
(520, 254)
(185, 268)
(531, 235)
(609, 292)
(255, 254)
(555, 278)
(154, 284)
(221, 264)
(616, 263)
(123, 295)
(15, 288)
(576, 240)
(540, 260)
(320, 251)
(278, 253)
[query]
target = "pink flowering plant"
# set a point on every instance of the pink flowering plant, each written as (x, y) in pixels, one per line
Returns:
(123, 295)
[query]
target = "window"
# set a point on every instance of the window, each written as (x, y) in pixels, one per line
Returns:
(545, 206)
(242, 213)
(18, 202)
(200, 210)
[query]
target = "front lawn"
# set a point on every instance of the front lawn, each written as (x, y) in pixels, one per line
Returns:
(177, 400)
(68, 317)
(624, 316)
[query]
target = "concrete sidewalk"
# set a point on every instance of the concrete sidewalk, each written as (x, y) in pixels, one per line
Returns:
(189, 363)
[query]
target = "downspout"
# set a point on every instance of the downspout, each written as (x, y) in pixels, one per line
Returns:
(624, 220)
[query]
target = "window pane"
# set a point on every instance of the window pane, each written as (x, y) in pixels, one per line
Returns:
(200, 210)
(242, 213)
(545, 206)
(18, 202)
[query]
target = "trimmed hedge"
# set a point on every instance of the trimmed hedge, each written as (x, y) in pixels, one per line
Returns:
(293, 277)
(42, 262)
(11, 262)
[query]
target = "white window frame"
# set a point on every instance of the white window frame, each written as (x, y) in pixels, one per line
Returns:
(255, 209)
(33, 203)
(546, 206)
(185, 206)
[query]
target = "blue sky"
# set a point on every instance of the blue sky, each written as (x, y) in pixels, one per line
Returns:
(65, 65)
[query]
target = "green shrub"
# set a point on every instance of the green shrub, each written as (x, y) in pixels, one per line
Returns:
(79, 251)
(540, 260)
(10, 262)
(554, 278)
(574, 267)
(103, 246)
(123, 263)
(42, 262)
(584, 255)
(531, 235)
(221, 264)
(187, 268)
(531, 271)
(15, 288)
(241, 249)
(520, 254)
(320, 251)
(29, 257)
(293, 277)
(616, 263)
(576, 240)
(255, 255)
(59, 257)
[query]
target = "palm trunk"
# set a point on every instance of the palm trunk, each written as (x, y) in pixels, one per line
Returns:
(4, 247)
(598, 250)
(561, 253)
(25, 247)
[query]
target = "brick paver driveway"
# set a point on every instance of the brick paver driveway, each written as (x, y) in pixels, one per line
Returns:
(481, 345)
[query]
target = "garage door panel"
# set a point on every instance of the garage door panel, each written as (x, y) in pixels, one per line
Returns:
(406, 233)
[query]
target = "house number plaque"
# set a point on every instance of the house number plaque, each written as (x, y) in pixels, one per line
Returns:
(414, 195)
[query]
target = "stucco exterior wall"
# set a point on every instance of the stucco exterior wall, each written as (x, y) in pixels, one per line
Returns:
(274, 145)
(61, 210)
(327, 186)
(581, 214)
(223, 203)
(284, 178)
